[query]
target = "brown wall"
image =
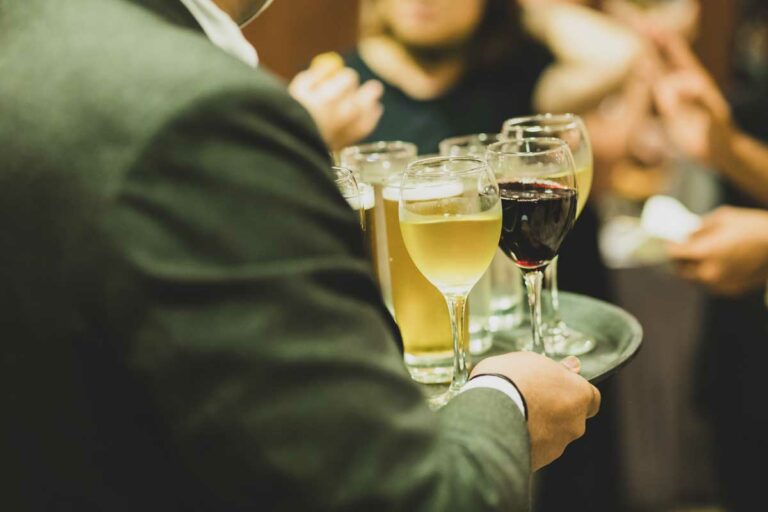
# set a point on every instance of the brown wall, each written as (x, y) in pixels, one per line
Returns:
(715, 42)
(291, 32)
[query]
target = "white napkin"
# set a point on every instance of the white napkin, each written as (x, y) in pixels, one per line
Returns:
(666, 218)
(627, 242)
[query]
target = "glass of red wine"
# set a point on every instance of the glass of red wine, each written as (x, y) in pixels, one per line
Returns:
(537, 185)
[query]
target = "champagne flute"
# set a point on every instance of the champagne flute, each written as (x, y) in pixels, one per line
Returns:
(450, 218)
(539, 198)
(559, 337)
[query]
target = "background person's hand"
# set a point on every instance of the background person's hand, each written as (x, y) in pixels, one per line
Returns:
(559, 400)
(729, 253)
(344, 111)
(696, 114)
(680, 18)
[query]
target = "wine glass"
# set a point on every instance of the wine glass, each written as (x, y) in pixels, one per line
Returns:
(450, 219)
(560, 338)
(539, 199)
(506, 291)
(468, 145)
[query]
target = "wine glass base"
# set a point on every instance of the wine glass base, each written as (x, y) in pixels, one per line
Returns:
(505, 321)
(480, 342)
(439, 401)
(561, 340)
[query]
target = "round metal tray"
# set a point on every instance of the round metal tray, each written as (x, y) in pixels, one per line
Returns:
(618, 337)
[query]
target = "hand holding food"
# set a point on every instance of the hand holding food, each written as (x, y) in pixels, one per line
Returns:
(344, 110)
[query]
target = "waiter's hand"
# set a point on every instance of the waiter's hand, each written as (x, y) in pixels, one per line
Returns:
(559, 400)
(344, 111)
(729, 253)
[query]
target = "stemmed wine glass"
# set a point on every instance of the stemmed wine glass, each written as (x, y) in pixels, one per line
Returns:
(450, 219)
(558, 336)
(507, 294)
(539, 199)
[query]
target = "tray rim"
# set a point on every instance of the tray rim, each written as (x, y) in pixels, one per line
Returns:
(625, 357)
(636, 341)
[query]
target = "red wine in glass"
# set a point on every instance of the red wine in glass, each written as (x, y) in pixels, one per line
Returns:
(536, 217)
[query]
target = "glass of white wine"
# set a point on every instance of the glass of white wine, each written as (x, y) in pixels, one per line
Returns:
(450, 218)
(502, 281)
(559, 338)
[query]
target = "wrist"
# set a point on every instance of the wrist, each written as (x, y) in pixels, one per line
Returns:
(522, 403)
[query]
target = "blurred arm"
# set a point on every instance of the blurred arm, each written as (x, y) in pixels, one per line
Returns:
(699, 119)
(594, 55)
(745, 163)
(729, 253)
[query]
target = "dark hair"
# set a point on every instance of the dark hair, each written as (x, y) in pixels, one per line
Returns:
(499, 34)
(496, 38)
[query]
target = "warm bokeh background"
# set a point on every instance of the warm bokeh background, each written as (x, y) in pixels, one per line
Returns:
(291, 32)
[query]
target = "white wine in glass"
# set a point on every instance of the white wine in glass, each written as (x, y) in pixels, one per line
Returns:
(450, 217)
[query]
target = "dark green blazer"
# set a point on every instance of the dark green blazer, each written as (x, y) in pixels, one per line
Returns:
(188, 319)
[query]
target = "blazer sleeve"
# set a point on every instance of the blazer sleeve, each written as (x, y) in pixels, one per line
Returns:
(259, 331)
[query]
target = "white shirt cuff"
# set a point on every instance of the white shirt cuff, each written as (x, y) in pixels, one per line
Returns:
(499, 384)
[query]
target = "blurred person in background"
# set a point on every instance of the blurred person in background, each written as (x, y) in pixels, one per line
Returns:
(450, 67)
(729, 254)
(455, 67)
(680, 17)
(631, 148)
(600, 71)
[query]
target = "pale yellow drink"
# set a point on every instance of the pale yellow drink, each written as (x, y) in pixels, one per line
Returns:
(420, 309)
(452, 252)
(374, 164)
(583, 187)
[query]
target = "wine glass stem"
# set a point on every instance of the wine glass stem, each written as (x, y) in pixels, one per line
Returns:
(533, 280)
(457, 309)
(553, 309)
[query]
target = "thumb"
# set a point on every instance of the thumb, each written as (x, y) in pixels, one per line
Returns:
(572, 363)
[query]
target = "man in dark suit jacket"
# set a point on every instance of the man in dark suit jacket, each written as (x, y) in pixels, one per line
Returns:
(189, 322)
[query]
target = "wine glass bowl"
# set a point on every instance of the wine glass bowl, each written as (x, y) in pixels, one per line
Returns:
(537, 214)
(567, 127)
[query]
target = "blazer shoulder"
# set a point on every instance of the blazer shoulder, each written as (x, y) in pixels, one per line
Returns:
(114, 73)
